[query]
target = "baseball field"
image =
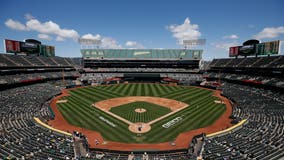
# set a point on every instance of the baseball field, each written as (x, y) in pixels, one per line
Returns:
(166, 110)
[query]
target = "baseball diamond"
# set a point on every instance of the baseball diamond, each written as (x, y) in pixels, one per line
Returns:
(79, 110)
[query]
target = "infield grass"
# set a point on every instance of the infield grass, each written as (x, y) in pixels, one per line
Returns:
(127, 111)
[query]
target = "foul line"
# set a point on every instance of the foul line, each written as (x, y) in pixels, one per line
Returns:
(51, 128)
(227, 130)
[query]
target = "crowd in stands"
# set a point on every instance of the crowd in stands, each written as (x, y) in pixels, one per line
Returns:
(10, 60)
(262, 136)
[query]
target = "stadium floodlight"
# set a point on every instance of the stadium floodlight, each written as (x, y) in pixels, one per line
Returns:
(194, 42)
(86, 41)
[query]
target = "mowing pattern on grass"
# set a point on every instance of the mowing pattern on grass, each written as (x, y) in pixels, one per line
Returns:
(202, 111)
(127, 111)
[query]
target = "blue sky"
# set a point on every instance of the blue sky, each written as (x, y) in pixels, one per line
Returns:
(142, 24)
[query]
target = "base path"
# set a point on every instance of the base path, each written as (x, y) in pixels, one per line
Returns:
(181, 142)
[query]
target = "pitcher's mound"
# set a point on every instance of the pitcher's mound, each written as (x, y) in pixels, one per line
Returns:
(140, 110)
(139, 127)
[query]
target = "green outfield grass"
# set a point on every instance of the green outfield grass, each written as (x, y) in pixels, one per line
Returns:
(127, 111)
(202, 111)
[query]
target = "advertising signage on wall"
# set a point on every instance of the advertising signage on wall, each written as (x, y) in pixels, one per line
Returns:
(270, 48)
(47, 51)
(267, 48)
(50, 51)
(259, 49)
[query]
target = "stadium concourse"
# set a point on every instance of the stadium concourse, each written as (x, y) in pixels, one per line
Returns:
(29, 83)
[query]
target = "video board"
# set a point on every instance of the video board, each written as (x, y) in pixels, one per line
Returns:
(29, 48)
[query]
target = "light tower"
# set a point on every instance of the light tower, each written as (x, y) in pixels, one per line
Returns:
(88, 43)
(190, 43)
(193, 42)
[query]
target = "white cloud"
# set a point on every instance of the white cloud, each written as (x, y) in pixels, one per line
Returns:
(51, 28)
(233, 36)
(29, 16)
(44, 36)
(48, 27)
(59, 39)
(134, 44)
(185, 31)
(225, 45)
(270, 32)
(16, 25)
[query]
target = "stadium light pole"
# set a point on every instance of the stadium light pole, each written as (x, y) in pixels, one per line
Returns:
(89, 43)
(194, 42)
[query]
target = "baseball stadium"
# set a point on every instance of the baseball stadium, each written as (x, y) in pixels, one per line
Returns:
(153, 103)
(130, 102)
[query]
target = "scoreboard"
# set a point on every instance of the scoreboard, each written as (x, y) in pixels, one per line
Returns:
(266, 48)
(13, 46)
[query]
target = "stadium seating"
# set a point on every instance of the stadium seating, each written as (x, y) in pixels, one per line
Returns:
(158, 70)
(20, 137)
(262, 136)
(266, 70)
(106, 155)
(8, 60)
(264, 80)
(250, 62)
(41, 76)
